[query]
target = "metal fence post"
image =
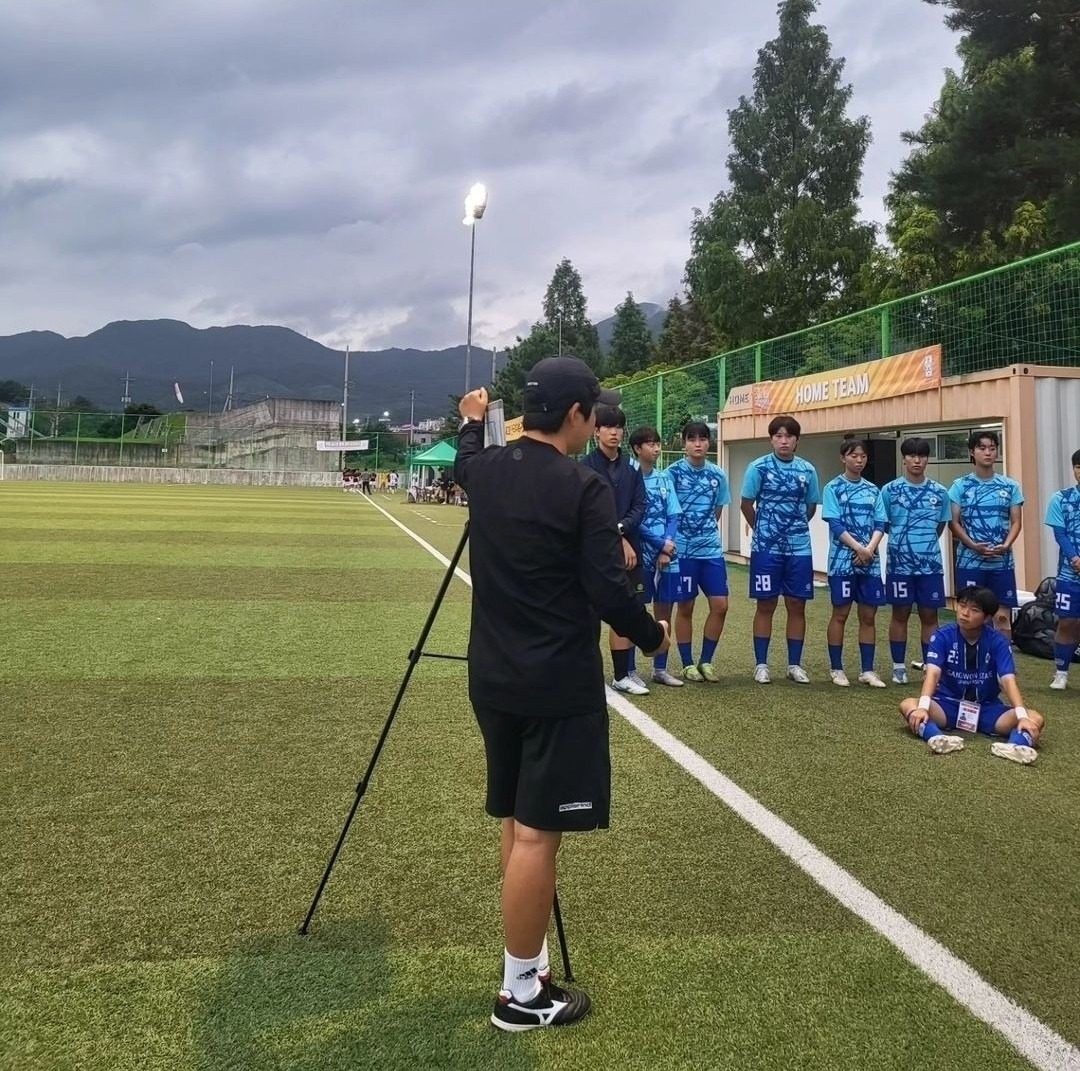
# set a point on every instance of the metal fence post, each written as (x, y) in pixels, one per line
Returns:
(886, 332)
(660, 407)
(78, 427)
(721, 381)
(757, 363)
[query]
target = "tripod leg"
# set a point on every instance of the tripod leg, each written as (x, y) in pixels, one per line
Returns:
(414, 657)
(568, 974)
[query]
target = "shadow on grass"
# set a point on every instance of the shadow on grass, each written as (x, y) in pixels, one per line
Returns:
(336, 999)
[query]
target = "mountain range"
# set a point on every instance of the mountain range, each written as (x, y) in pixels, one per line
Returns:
(277, 362)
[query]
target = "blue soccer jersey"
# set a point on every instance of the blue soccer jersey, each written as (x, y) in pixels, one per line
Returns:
(857, 505)
(1063, 512)
(984, 513)
(701, 492)
(782, 492)
(970, 670)
(914, 511)
(662, 511)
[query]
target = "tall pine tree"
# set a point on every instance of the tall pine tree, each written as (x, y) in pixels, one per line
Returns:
(779, 249)
(631, 340)
(566, 316)
(686, 336)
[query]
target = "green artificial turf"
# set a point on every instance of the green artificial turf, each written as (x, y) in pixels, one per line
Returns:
(191, 683)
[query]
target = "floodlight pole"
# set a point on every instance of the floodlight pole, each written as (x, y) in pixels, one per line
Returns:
(345, 407)
(468, 333)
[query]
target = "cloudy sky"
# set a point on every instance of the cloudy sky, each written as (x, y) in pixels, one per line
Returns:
(305, 163)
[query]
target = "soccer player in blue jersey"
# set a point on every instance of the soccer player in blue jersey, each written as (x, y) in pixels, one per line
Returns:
(986, 521)
(780, 494)
(657, 532)
(1063, 516)
(917, 510)
(852, 508)
(702, 490)
(968, 665)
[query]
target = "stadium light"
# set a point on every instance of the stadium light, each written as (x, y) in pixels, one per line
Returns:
(475, 205)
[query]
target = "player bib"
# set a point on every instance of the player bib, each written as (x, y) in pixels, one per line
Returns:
(967, 717)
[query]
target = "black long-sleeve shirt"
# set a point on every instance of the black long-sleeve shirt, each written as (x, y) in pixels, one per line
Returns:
(547, 567)
(628, 487)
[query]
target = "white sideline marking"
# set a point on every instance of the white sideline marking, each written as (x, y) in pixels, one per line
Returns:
(1031, 1037)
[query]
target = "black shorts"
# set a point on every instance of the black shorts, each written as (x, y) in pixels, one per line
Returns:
(548, 773)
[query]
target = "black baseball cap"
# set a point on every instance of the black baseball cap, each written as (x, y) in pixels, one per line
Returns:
(555, 383)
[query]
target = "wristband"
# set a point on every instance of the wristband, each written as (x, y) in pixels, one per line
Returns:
(924, 703)
(1021, 713)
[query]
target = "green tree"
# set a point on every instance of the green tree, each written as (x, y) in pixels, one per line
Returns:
(13, 392)
(686, 336)
(112, 427)
(781, 247)
(632, 347)
(541, 342)
(566, 317)
(994, 171)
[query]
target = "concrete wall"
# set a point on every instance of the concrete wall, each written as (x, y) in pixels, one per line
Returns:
(137, 474)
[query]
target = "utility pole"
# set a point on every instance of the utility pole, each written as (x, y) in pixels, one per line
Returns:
(345, 406)
(494, 353)
(126, 399)
(228, 397)
(210, 400)
(412, 415)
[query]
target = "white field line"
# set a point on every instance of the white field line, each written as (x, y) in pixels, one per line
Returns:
(1032, 1038)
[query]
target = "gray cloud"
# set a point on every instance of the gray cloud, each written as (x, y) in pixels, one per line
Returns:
(305, 164)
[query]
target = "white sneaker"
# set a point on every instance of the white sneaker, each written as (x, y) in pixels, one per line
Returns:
(761, 674)
(630, 686)
(838, 676)
(899, 675)
(942, 744)
(636, 678)
(871, 678)
(661, 676)
(798, 675)
(1020, 753)
(1060, 681)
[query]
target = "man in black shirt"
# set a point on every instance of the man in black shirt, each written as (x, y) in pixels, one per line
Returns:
(547, 567)
(628, 488)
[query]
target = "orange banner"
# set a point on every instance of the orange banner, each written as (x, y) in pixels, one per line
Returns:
(888, 377)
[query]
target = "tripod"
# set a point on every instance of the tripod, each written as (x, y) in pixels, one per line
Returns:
(415, 655)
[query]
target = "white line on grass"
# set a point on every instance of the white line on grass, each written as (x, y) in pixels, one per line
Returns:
(1031, 1037)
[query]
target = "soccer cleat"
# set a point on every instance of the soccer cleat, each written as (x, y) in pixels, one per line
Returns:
(899, 675)
(628, 685)
(798, 675)
(661, 676)
(692, 673)
(552, 1006)
(872, 679)
(636, 678)
(1060, 681)
(708, 673)
(761, 674)
(839, 678)
(943, 745)
(1020, 753)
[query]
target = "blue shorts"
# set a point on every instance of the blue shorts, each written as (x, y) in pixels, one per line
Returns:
(772, 575)
(989, 712)
(1067, 598)
(864, 588)
(668, 590)
(924, 591)
(707, 575)
(1002, 582)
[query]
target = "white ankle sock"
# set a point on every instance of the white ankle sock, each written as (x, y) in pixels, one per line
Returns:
(545, 964)
(520, 976)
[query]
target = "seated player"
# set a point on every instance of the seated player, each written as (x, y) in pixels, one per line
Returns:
(657, 533)
(968, 665)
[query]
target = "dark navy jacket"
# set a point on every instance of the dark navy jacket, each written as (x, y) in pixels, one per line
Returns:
(629, 489)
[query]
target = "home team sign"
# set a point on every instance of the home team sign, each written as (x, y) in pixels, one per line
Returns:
(888, 377)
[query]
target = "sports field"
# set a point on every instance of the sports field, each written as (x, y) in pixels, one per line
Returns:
(192, 681)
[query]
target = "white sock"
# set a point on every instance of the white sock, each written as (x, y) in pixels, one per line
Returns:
(545, 965)
(520, 976)
(898, 665)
